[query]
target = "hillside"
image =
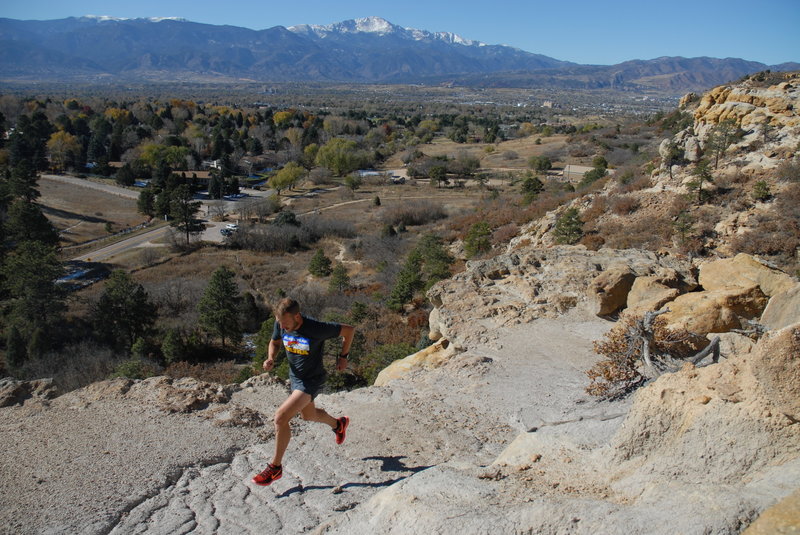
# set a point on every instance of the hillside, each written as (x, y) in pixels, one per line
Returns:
(491, 428)
(368, 50)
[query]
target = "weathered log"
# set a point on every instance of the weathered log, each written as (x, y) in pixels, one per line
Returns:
(712, 347)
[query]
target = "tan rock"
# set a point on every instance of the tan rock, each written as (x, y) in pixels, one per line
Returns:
(431, 357)
(743, 270)
(648, 293)
(733, 343)
(757, 396)
(783, 518)
(715, 311)
(783, 309)
(610, 289)
(434, 325)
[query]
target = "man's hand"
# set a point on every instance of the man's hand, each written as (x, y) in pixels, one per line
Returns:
(341, 364)
(268, 364)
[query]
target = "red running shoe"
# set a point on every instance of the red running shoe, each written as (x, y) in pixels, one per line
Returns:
(270, 474)
(341, 429)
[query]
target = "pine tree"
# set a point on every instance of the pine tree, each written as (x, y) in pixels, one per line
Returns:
(320, 265)
(219, 307)
(183, 209)
(172, 346)
(477, 240)
(340, 280)
(569, 227)
(124, 311)
(409, 280)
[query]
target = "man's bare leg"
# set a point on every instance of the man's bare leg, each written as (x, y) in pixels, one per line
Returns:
(295, 403)
(313, 414)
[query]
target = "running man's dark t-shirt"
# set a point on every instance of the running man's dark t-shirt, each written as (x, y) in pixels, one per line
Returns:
(304, 346)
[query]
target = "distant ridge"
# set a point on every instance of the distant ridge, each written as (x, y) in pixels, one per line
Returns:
(365, 50)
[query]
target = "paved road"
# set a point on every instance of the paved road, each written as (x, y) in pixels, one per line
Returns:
(103, 254)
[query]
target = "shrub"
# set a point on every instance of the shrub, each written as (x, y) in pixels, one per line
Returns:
(789, 171)
(135, 368)
(624, 205)
(505, 233)
(761, 191)
(224, 372)
(621, 370)
(418, 212)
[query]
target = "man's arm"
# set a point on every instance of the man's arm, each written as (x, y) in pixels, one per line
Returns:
(272, 350)
(346, 332)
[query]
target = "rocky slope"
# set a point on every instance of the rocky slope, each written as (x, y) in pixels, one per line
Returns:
(488, 430)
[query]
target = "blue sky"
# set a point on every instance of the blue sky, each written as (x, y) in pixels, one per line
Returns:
(583, 31)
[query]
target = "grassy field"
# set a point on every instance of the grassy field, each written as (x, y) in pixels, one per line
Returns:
(82, 214)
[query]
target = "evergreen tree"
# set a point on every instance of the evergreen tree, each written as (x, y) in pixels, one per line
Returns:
(569, 227)
(409, 280)
(35, 300)
(22, 182)
(340, 280)
(123, 312)
(16, 350)
(702, 174)
(531, 188)
(26, 222)
(477, 239)
(147, 202)
(183, 209)
(761, 191)
(219, 307)
(172, 346)
(320, 265)
(436, 261)
(215, 187)
(125, 176)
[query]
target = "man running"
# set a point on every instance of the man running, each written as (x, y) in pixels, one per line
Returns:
(304, 340)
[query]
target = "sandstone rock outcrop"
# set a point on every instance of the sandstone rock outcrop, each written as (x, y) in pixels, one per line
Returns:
(751, 106)
(431, 357)
(745, 271)
(715, 311)
(610, 289)
(720, 423)
(783, 309)
(530, 283)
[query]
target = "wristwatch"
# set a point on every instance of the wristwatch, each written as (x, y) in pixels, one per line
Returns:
(344, 356)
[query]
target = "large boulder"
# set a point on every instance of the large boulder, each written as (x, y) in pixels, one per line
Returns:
(716, 311)
(431, 357)
(648, 294)
(783, 309)
(745, 271)
(610, 289)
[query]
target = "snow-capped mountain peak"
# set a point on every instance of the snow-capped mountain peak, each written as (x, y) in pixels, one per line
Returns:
(106, 18)
(379, 26)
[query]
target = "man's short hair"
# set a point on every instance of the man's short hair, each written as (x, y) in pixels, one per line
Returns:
(287, 306)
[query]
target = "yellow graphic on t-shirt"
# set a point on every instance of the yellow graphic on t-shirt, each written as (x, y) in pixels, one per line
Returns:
(296, 344)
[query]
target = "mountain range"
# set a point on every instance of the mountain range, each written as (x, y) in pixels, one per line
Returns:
(367, 50)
